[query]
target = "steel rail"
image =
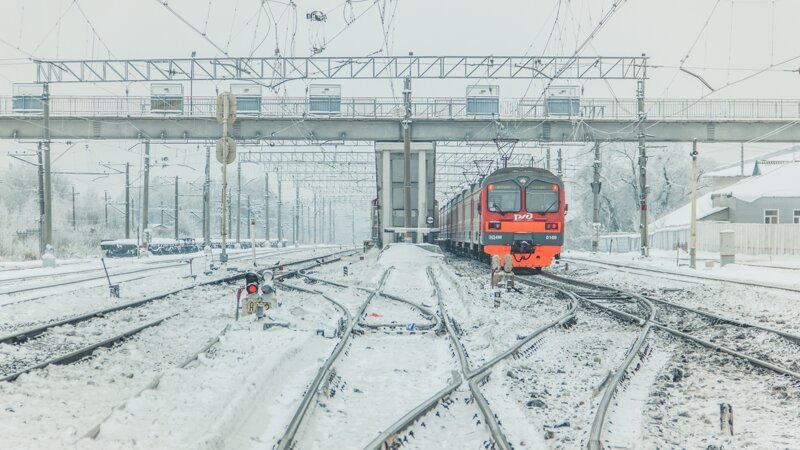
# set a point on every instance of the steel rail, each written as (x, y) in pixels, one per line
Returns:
(95, 430)
(431, 315)
(30, 333)
(609, 392)
(419, 411)
(323, 295)
(86, 351)
(500, 440)
(709, 315)
(287, 440)
(594, 442)
(411, 416)
(166, 265)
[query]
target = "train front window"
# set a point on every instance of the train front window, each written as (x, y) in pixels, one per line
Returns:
(541, 197)
(504, 197)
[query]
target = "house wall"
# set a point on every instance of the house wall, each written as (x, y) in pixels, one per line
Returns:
(753, 212)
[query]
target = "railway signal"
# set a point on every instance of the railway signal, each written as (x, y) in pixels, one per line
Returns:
(259, 295)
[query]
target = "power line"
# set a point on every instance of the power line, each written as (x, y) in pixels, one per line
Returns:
(188, 24)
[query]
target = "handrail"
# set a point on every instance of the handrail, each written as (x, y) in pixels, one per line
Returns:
(389, 107)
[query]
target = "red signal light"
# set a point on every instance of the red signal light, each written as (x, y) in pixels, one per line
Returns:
(555, 188)
(252, 288)
(491, 187)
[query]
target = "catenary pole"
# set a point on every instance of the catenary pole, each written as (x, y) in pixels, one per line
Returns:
(693, 237)
(238, 200)
(48, 192)
(146, 192)
(407, 153)
(645, 247)
(596, 199)
(127, 200)
(176, 208)
(40, 170)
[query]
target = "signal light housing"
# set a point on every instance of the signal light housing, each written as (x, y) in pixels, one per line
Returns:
(494, 225)
(551, 226)
(251, 281)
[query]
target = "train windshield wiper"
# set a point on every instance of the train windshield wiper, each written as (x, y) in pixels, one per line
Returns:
(547, 210)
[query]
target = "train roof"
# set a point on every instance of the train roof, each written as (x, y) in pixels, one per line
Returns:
(512, 173)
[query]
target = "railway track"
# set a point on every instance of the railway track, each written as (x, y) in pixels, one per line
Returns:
(288, 441)
(44, 338)
(61, 283)
(640, 309)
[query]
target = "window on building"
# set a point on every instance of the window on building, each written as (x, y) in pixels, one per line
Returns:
(797, 216)
(504, 197)
(770, 216)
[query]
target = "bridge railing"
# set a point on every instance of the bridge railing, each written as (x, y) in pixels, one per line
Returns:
(392, 108)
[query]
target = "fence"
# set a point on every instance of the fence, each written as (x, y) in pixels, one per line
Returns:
(751, 238)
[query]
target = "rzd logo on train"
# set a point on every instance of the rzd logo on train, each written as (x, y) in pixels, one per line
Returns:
(528, 216)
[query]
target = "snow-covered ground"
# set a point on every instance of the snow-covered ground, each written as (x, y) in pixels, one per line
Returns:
(676, 394)
(243, 391)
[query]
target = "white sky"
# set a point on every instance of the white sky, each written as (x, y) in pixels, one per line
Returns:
(720, 40)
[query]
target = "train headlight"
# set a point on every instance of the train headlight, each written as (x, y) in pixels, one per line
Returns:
(551, 226)
(494, 225)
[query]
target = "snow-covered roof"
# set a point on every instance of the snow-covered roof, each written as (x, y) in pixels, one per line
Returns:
(683, 215)
(780, 181)
(772, 160)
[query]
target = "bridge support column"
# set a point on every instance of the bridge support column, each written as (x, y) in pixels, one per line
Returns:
(422, 195)
(386, 201)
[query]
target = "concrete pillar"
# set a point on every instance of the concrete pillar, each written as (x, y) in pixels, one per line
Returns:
(727, 247)
(422, 196)
(386, 207)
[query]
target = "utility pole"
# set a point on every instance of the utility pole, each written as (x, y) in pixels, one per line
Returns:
(176, 208)
(238, 199)
(48, 192)
(280, 203)
(105, 208)
(322, 223)
(354, 226)
(127, 200)
(226, 113)
(206, 200)
(74, 218)
(315, 217)
(308, 224)
(333, 230)
(230, 214)
(596, 184)
(266, 206)
(741, 157)
(248, 216)
(693, 236)
(407, 153)
(162, 212)
(296, 211)
(146, 193)
(560, 168)
(645, 250)
(41, 200)
(548, 158)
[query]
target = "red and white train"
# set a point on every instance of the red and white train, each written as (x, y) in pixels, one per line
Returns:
(515, 210)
